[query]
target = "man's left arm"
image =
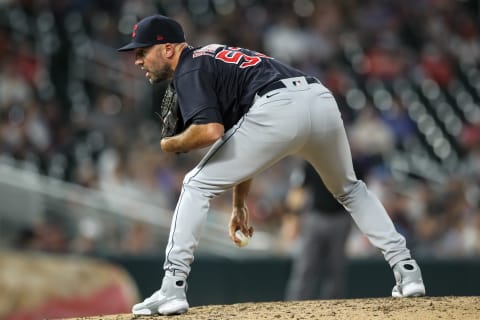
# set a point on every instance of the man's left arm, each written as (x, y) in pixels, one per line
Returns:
(196, 136)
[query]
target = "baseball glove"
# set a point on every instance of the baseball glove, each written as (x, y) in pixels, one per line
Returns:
(170, 113)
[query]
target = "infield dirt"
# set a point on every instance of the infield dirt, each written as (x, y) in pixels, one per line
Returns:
(425, 308)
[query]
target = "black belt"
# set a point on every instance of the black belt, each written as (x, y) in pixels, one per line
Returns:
(279, 85)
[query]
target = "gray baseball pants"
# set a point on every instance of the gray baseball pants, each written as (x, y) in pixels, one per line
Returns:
(302, 119)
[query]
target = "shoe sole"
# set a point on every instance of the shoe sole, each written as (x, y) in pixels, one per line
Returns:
(169, 308)
(413, 289)
(173, 307)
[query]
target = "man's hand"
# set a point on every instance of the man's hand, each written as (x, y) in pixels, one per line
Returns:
(240, 214)
(239, 221)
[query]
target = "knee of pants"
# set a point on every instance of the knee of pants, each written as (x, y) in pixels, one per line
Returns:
(356, 190)
(195, 183)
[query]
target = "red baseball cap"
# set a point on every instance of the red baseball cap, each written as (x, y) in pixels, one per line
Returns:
(153, 30)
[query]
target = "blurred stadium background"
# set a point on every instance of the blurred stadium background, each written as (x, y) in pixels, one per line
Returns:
(81, 172)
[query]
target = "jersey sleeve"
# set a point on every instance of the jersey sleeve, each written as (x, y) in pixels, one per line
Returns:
(197, 98)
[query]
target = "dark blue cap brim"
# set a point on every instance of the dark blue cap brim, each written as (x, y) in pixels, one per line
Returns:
(134, 45)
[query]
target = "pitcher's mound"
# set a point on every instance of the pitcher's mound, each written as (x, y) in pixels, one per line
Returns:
(425, 308)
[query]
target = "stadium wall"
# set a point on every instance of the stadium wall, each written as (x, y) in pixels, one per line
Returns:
(225, 281)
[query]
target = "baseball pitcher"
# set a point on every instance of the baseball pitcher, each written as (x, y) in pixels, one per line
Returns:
(252, 111)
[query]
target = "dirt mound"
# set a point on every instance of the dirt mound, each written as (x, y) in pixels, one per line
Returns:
(426, 308)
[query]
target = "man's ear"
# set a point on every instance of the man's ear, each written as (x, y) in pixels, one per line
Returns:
(169, 50)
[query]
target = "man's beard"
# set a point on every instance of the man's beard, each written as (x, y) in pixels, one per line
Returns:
(162, 74)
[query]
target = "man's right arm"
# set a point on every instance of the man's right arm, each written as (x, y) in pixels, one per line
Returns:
(240, 214)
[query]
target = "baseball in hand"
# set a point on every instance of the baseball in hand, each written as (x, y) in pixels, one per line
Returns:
(243, 238)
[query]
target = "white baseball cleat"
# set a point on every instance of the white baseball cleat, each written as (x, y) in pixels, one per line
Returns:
(170, 299)
(409, 280)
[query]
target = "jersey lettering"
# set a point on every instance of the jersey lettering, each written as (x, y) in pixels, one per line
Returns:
(231, 55)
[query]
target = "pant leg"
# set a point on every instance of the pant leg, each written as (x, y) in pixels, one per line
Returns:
(267, 133)
(303, 282)
(328, 151)
(334, 280)
(320, 261)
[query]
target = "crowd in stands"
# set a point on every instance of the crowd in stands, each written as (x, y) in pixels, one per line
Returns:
(72, 114)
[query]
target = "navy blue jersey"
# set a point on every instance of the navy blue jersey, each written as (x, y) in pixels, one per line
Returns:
(217, 83)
